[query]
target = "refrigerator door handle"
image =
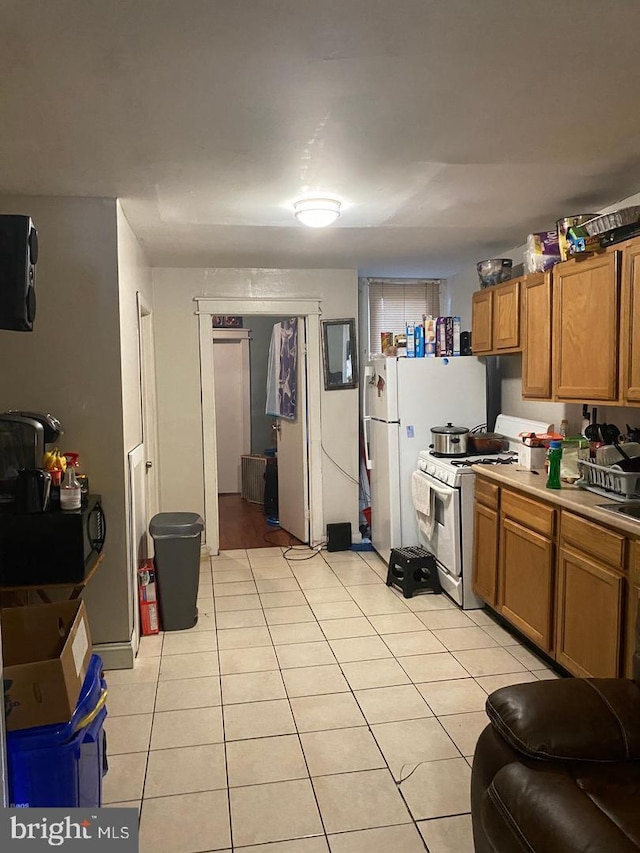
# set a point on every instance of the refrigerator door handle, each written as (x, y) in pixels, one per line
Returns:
(365, 437)
(368, 373)
(366, 418)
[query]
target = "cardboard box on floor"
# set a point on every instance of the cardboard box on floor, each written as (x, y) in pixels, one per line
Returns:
(46, 651)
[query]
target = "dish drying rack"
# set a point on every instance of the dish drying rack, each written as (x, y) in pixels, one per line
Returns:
(613, 484)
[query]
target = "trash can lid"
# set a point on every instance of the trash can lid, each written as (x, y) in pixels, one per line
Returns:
(175, 524)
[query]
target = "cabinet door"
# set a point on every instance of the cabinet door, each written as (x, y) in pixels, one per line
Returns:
(506, 316)
(485, 552)
(630, 333)
(586, 335)
(481, 307)
(589, 617)
(526, 585)
(536, 337)
(631, 612)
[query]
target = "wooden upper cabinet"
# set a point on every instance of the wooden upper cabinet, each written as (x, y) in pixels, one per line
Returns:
(586, 303)
(495, 325)
(630, 326)
(506, 316)
(536, 336)
(481, 324)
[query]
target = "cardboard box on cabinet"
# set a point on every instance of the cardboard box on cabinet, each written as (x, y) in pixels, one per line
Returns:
(46, 651)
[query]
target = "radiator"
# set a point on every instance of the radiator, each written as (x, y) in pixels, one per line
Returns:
(253, 468)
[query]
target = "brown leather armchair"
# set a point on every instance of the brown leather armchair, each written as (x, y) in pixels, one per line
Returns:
(558, 768)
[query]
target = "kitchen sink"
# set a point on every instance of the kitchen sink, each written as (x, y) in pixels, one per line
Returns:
(630, 509)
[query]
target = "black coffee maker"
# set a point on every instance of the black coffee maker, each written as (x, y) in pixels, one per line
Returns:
(32, 490)
(23, 436)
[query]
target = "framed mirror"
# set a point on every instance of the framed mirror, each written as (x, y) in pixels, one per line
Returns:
(339, 354)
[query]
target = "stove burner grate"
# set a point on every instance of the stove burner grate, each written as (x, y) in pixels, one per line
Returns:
(467, 463)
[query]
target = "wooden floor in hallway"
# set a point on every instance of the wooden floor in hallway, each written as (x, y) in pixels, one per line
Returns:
(244, 525)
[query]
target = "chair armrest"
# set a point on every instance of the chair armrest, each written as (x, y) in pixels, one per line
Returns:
(540, 809)
(575, 719)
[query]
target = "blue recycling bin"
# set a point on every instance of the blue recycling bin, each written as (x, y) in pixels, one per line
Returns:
(62, 765)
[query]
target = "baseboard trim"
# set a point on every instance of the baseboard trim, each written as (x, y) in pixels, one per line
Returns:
(115, 655)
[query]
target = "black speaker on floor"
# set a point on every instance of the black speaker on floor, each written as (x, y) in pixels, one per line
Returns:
(18, 258)
(339, 536)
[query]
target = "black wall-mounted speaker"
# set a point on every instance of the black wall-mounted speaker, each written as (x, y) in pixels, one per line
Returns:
(339, 536)
(18, 258)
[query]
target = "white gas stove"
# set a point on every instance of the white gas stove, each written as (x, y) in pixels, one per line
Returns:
(443, 501)
(451, 471)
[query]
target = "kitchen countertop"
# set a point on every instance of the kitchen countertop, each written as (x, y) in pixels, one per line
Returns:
(569, 497)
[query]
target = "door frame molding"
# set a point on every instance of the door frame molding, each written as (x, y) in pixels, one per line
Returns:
(228, 306)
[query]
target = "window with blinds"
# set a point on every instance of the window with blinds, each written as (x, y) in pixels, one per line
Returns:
(395, 302)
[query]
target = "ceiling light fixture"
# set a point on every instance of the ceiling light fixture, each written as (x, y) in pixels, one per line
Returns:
(317, 212)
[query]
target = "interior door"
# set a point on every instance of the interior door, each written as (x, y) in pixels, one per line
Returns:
(293, 474)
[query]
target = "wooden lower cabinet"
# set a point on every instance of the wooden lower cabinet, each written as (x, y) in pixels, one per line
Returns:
(571, 585)
(631, 610)
(485, 552)
(526, 587)
(589, 615)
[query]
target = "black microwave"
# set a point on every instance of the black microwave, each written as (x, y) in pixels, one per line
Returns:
(45, 548)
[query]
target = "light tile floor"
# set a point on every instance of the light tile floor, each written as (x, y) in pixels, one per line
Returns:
(312, 710)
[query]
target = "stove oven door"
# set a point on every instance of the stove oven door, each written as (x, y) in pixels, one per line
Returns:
(440, 531)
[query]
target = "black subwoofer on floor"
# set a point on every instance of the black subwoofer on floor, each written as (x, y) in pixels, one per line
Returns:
(339, 536)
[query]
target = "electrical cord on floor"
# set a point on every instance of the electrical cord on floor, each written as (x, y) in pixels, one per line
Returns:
(409, 775)
(315, 551)
(339, 467)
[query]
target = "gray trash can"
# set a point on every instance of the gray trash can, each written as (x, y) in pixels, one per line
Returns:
(176, 538)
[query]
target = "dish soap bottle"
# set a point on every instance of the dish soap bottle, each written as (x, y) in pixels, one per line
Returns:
(70, 491)
(554, 456)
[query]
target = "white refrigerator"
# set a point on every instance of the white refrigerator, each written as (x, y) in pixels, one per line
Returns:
(402, 399)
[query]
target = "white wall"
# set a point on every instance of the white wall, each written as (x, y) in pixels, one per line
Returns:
(134, 275)
(70, 365)
(177, 364)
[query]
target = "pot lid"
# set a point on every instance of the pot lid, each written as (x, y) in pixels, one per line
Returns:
(449, 429)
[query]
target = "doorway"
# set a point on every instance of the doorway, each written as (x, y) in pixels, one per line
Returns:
(309, 311)
(262, 458)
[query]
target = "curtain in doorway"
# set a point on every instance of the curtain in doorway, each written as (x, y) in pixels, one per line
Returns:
(282, 370)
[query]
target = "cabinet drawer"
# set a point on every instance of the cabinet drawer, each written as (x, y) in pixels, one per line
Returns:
(533, 514)
(592, 539)
(487, 493)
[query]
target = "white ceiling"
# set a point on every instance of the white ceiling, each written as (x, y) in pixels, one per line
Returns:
(448, 128)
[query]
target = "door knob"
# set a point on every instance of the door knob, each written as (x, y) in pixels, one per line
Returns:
(148, 464)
